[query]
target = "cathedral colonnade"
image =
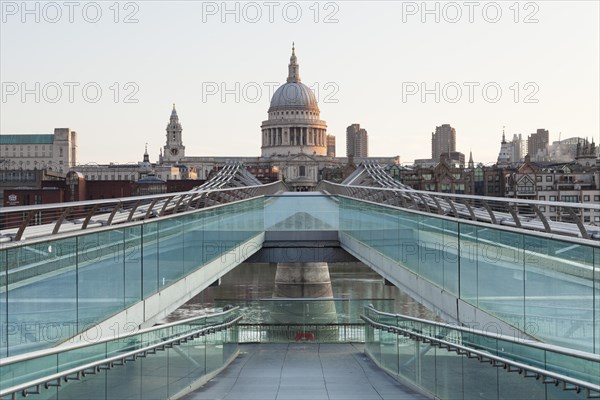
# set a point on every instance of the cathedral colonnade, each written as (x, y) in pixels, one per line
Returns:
(294, 136)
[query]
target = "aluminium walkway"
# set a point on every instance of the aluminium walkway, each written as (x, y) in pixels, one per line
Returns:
(298, 371)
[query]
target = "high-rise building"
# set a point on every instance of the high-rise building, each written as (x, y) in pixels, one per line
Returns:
(361, 143)
(518, 149)
(537, 145)
(443, 140)
(357, 141)
(510, 152)
(351, 132)
(330, 146)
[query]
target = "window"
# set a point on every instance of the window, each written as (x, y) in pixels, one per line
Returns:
(596, 198)
(548, 187)
(586, 218)
(302, 170)
(538, 178)
(586, 197)
(490, 178)
(542, 198)
(552, 198)
(552, 209)
(596, 219)
(539, 187)
(570, 199)
(525, 187)
(542, 208)
(549, 178)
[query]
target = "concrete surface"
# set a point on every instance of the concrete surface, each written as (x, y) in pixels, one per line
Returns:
(298, 371)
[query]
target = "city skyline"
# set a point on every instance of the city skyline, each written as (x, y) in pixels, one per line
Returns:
(359, 77)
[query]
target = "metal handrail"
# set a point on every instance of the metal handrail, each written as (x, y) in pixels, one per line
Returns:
(117, 200)
(505, 208)
(530, 343)
(104, 211)
(573, 238)
(61, 349)
(469, 196)
(108, 363)
(528, 371)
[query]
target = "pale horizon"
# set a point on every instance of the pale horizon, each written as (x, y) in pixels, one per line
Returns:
(363, 66)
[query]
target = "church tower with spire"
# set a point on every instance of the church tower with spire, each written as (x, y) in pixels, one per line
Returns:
(506, 151)
(174, 150)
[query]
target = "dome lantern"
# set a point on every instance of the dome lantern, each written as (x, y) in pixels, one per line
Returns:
(293, 67)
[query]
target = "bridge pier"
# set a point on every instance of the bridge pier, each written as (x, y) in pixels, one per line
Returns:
(303, 280)
(308, 288)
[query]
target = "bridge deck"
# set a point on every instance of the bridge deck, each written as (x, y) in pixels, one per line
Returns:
(303, 371)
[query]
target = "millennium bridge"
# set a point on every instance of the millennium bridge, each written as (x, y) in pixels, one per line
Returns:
(83, 285)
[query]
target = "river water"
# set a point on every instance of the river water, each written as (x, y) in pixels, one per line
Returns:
(252, 285)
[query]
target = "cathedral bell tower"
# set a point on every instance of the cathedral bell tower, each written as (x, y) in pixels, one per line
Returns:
(174, 150)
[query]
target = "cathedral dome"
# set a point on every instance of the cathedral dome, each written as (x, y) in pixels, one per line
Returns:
(293, 95)
(294, 125)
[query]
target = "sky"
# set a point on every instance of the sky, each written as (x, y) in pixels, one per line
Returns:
(112, 70)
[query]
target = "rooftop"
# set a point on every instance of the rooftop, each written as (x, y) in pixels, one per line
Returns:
(29, 138)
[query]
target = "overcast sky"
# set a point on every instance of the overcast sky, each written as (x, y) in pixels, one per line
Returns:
(525, 66)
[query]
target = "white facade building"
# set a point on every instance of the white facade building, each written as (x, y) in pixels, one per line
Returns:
(293, 125)
(54, 152)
